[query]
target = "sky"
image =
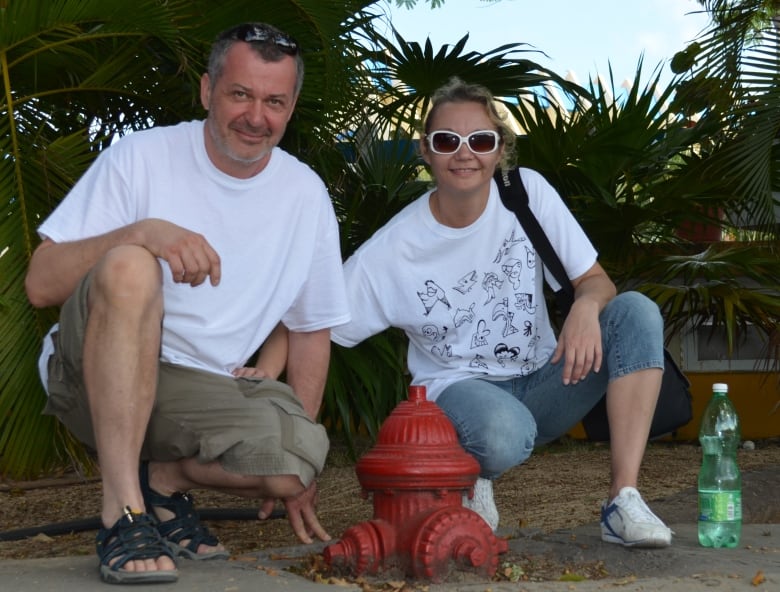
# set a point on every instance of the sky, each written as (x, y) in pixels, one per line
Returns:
(584, 37)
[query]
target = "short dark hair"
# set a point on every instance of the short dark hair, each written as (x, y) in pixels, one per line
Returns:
(270, 43)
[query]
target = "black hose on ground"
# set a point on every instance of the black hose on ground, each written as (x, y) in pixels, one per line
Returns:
(94, 523)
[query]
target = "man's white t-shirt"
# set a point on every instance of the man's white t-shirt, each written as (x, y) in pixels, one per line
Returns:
(469, 299)
(276, 234)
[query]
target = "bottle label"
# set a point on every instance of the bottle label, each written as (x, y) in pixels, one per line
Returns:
(720, 506)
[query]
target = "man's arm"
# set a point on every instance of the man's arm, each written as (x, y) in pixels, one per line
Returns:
(307, 367)
(56, 268)
(307, 370)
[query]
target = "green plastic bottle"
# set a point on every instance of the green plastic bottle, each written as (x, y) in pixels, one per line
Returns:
(720, 482)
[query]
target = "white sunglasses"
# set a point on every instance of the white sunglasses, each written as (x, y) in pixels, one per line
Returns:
(479, 142)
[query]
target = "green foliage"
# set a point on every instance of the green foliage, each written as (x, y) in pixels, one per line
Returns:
(638, 170)
(729, 286)
(73, 73)
(406, 74)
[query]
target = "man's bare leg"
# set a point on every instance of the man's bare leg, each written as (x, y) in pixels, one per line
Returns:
(300, 501)
(121, 355)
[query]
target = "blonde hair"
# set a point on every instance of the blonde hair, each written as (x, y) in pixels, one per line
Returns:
(458, 91)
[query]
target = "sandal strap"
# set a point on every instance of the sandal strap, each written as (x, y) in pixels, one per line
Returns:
(185, 525)
(134, 536)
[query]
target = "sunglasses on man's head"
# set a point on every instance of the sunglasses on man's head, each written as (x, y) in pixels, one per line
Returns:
(254, 33)
(479, 142)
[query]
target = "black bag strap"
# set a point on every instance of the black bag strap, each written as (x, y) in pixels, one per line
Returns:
(515, 198)
(674, 408)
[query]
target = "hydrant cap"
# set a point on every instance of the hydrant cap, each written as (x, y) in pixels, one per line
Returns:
(418, 443)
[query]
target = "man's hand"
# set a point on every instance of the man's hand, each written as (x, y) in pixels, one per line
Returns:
(301, 512)
(189, 255)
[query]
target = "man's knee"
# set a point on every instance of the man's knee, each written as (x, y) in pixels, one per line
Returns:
(127, 275)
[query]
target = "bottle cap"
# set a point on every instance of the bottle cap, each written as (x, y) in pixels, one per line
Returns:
(720, 387)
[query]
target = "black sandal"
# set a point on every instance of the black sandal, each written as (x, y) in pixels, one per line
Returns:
(185, 525)
(134, 536)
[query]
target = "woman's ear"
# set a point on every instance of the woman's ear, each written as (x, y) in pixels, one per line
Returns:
(424, 152)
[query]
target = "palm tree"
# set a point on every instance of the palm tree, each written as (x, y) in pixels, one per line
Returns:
(732, 72)
(633, 173)
(74, 74)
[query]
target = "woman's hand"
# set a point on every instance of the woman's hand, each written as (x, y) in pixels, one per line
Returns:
(250, 372)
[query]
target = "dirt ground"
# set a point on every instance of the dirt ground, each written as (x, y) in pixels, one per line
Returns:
(561, 486)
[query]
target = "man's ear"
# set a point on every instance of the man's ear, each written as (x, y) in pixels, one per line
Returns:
(205, 91)
(292, 109)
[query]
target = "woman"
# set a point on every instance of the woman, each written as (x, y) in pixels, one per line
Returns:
(457, 273)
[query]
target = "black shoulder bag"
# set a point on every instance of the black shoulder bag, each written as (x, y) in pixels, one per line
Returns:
(673, 409)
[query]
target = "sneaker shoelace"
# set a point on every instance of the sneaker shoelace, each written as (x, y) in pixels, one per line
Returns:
(637, 509)
(483, 495)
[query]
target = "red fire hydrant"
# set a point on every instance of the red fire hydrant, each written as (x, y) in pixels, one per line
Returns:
(418, 473)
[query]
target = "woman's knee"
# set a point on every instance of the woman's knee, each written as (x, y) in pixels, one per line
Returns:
(505, 455)
(634, 308)
(491, 424)
(505, 439)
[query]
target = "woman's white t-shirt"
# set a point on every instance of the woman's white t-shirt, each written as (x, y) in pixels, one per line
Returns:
(469, 299)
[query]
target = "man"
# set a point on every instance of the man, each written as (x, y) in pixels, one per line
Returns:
(174, 258)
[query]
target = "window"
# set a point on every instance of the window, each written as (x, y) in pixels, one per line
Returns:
(706, 350)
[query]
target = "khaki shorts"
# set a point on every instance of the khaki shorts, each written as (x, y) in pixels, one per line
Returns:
(251, 426)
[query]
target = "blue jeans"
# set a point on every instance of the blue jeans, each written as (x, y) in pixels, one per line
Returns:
(499, 422)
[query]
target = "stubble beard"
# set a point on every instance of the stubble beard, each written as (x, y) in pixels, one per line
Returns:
(223, 147)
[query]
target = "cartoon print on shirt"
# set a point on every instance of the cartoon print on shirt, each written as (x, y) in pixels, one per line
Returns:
(507, 246)
(464, 316)
(444, 352)
(503, 353)
(491, 283)
(512, 269)
(478, 361)
(432, 294)
(466, 282)
(525, 302)
(479, 337)
(488, 326)
(432, 333)
(501, 310)
(529, 365)
(530, 258)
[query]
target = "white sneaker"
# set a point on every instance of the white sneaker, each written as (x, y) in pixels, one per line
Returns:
(483, 503)
(628, 521)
